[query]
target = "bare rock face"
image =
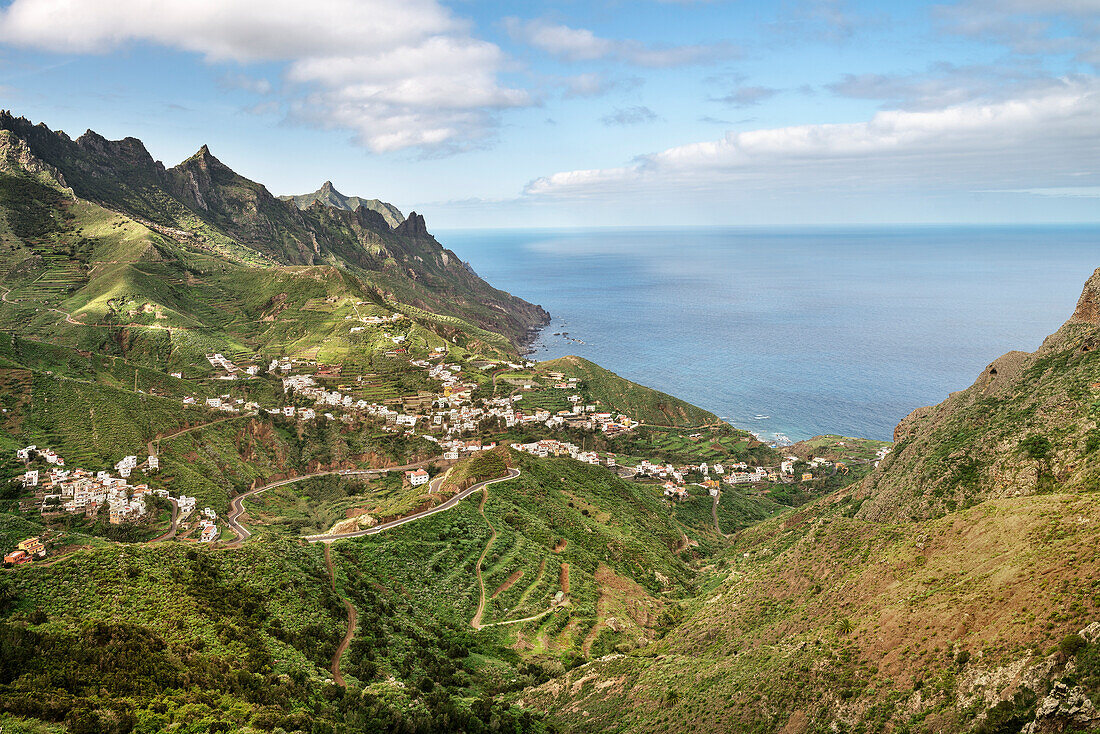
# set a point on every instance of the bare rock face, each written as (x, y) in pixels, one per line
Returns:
(1063, 709)
(413, 226)
(1088, 306)
(15, 154)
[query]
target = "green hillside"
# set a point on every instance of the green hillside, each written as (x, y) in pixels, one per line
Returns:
(255, 628)
(616, 393)
(943, 583)
(80, 208)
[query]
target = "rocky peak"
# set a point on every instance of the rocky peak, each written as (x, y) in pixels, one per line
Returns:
(371, 219)
(327, 188)
(1088, 306)
(128, 151)
(204, 157)
(413, 226)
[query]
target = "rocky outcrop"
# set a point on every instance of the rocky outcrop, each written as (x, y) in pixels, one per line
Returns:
(1088, 306)
(909, 423)
(16, 155)
(413, 226)
(1063, 709)
(327, 195)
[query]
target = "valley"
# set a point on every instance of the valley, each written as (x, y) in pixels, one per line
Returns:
(287, 466)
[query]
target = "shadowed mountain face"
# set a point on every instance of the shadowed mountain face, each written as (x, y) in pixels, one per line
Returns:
(202, 203)
(329, 196)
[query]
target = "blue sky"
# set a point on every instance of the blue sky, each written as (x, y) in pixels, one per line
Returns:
(598, 112)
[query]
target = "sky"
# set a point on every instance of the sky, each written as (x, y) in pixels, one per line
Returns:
(598, 112)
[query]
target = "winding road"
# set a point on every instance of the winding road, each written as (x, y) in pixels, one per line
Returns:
(714, 513)
(236, 506)
(171, 533)
(476, 621)
(329, 538)
(200, 426)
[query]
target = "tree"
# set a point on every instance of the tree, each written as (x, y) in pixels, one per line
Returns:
(1039, 449)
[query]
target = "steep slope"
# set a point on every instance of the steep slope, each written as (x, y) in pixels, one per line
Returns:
(1027, 424)
(329, 196)
(882, 607)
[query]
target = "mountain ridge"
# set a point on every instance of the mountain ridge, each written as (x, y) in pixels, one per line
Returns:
(329, 196)
(201, 202)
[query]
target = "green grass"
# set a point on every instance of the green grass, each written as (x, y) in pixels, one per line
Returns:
(615, 393)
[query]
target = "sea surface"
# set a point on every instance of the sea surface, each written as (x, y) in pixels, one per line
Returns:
(793, 332)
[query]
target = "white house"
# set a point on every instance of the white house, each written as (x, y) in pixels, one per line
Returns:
(418, 477)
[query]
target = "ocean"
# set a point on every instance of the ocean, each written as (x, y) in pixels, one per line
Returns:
(793, 333)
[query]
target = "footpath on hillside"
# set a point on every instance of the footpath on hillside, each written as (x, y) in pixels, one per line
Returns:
(337, 676)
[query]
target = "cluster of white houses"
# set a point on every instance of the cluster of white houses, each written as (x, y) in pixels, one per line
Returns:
(451, 412)
(85, 492)
(676, 476)
(551, 447)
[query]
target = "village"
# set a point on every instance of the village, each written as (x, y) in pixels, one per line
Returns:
(451, 411)
(455, 415)
(676, 478)
(58, 490)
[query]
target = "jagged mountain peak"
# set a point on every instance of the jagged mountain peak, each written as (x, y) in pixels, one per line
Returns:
(202, 199)
(329, 196)
(203, 157)
(413, 226)
(128, 150)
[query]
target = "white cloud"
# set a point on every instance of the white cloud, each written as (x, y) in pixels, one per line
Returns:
(1030, 27)
(581, 44)
(630, 116)
(945, 84)
(1058, 192)
(747, 96)
(399, 73)
(1039, 140)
